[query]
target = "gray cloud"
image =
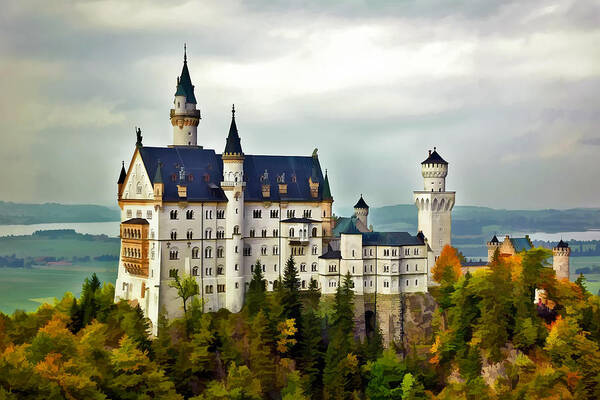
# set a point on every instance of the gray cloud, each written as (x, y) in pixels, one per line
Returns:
(508, 91)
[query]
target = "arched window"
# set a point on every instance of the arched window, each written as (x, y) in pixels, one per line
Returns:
(173, 214)
(302, 267)
(314, 267)
(173, 253)
(189, 214)
(208, 252)
(220, 270)
(314, 232)
(189, 234)
(195, 252)
(352, 253)
(208, 234)
(291, 232)
(236, 230)
(220, 252)
(173, 234)
(138, 188)
(195, 271)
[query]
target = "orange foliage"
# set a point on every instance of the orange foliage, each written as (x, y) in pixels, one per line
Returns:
(448, 261)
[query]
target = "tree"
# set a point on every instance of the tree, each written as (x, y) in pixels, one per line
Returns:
(447, 267)
(187, 288)
(256, 295)
(290, 300)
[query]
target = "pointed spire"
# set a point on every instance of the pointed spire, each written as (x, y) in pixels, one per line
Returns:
(123, 174)
(233, 146)
(361, 203)
(184, 84)
(158, 175)
(326, 189)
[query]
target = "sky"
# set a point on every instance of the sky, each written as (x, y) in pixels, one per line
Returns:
(508, 92)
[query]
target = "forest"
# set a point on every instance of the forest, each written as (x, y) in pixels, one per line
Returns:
(492, 341)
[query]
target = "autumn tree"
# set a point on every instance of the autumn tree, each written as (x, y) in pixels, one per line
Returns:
(187, 288)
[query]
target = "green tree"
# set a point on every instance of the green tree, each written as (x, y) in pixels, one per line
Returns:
(187, 288)
(256, 294)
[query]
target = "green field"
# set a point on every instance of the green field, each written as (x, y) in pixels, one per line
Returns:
(27, 288)
(593, 284)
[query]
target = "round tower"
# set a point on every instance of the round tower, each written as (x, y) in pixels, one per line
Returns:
(560, 262)
(233, 185)
(184, 115)
(492, 245)
(434, 171)
(361, 210)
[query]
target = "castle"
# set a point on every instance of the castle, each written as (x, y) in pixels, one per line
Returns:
(189, 210)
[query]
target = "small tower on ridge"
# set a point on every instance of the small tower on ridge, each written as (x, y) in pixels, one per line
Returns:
(560, 262)
(361, 210)
(492, 245)
(184, 115)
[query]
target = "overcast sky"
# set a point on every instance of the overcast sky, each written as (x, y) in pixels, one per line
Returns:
(508, 91)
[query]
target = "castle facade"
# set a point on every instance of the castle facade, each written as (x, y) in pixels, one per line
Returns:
(190, 210)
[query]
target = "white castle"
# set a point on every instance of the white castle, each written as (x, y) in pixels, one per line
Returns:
(190, 210)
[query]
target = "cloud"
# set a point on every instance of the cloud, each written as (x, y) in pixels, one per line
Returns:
(504, 86)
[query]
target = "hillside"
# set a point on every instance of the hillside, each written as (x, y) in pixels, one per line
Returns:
(24, 214)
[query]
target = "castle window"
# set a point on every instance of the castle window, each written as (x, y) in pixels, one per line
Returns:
(189, 214)
(220, 288)
(416, 267)
(264, 233)
(315, 250)
(138, 213)
(407, 282)
(209, 214)
(303, 284)
(291, 232)
(291, 213)
(257, 213)
(220, 214)
(237, 268)
(251, 233)
(274, 213)
(275, 268)
(236, 230)
(138, 188)
(195, 252)
(173, 214)
(173, 254)
(386, 268)
(314, 267)
(237, 285)
(314, 232)
(189, 234)
(220, 252)
(220, 270)
(195, 271)
(416, 282)
(386, 284)
(173, 273)
(275, 250)
(352, 253)
(208, 289)
(208, 234)
(235, 249)
(263, 250)
(416, 250)
(407, 252)
(129, 214)
(173, 234)
(208, 252)
(208, 271)
(307, 213)
(247, 251)
(302, 267)
(275, 232)
(220, 234)
(149, 214)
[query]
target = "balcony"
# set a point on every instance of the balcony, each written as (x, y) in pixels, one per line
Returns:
(299, 240)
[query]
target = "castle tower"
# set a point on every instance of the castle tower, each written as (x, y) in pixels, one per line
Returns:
(492, 245)
(233, 185)
(184, 115)
(327, 209)
(121, 180)
(560, 262)
(435, 203)
(361, 210)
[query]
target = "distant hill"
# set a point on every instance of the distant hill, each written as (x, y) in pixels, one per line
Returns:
(25, 214)
(475, 221)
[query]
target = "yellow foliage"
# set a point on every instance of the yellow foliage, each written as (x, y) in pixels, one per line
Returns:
(287, 329)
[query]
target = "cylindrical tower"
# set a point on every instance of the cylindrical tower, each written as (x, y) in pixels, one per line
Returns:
(184, 115)
(233, 185)
(434, 171)
(560, 262)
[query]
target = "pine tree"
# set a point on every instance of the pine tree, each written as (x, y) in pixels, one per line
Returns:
(261, 357)
(76, 317)
(256, 295)
(89, 307)
(338, 379)
(290, 301)
(311, 353)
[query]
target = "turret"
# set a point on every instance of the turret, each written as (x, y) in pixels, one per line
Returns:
(434, 170)
(233, 185)
(492, 245)
(184, 115)
(121, 180)
(361, 210)
(560, 262)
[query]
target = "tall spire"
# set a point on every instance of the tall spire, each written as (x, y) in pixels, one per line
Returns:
(184, 83)
(233, 146)
(123, 174)
(185, 53)
(158, 174)
(326, 189)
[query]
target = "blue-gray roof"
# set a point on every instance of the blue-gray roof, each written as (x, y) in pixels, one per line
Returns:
(343, 224)
(390, 239)
(434, 158)
(521, 244)
(204, 172)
